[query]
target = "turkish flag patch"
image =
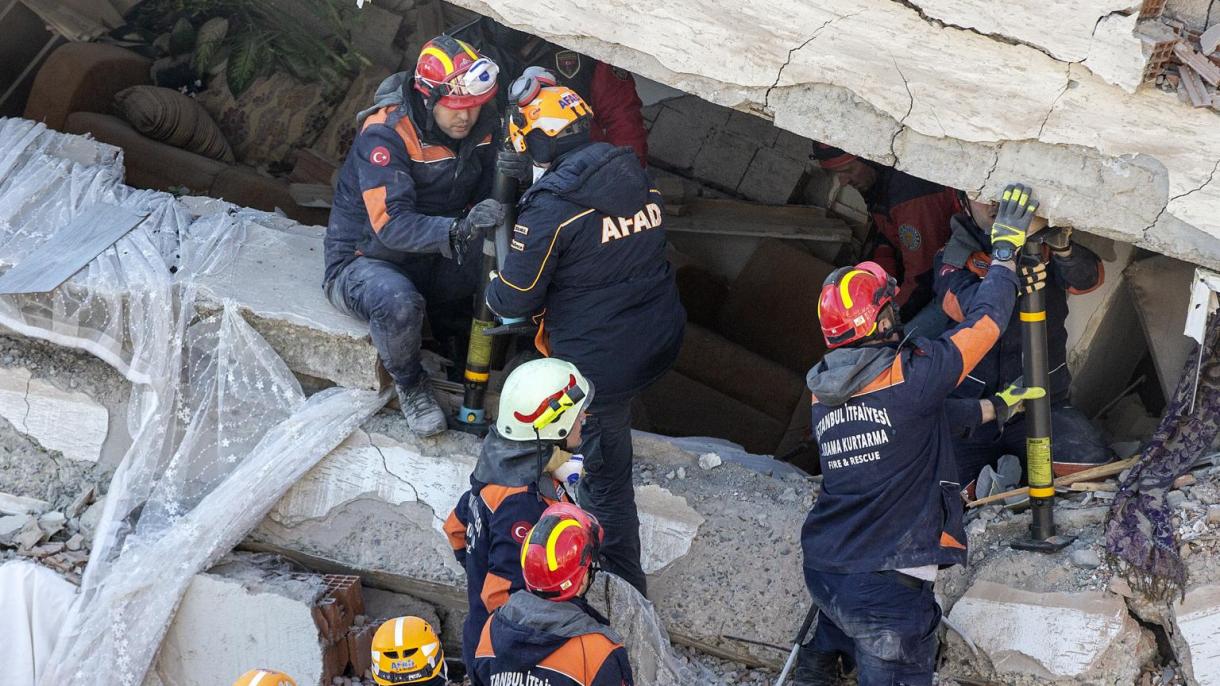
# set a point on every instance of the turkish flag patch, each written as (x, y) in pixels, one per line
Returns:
(380, 156)
(521, 530)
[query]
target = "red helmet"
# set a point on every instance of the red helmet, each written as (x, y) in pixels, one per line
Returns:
(452, 73)
(559, 552)
(851, 300)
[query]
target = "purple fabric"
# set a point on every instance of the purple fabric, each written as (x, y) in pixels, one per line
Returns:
(1140, 536)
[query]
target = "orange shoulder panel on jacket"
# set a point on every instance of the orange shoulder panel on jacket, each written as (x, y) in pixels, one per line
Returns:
(953, 308)
(455, 531)
(581, 657)
(974, 342)
(890, 377)
(378, 117)
(493, 496)
(485, 649)
(374, 204)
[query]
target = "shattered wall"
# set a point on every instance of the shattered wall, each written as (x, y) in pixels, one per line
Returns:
(968, 93)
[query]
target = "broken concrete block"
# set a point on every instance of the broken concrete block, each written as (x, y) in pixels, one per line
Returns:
(376, 504)
(276, 279)
(29, 535)
(772, 177)
(1198, 621)
(1085, 636)
(753, 127)
(222, 628)
(89, 520)
(52, 523)
(41, 411)
(1161, 288)
(10, 526)
(745, 376)
(76, 542)
(673, 140)
(375, 36)
(723, 159)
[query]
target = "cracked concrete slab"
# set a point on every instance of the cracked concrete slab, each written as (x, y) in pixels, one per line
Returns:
(1045, 96)
(41, 411)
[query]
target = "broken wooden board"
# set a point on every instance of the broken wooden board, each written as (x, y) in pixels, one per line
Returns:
(65, 253)
(1205, 67)
(1193, 85)
(737, 218)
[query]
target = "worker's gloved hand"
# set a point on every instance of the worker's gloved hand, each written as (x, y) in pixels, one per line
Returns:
(515, 165)
(1033, 277)
(1058, 238)
(1012, 222)
(481, 218)
(1010, 402)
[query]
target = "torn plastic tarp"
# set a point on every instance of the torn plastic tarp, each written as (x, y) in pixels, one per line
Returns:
(33, 603)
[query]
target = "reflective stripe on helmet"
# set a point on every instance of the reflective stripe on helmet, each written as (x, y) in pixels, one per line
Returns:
(439, 54)
(844, 291)
(551, 562)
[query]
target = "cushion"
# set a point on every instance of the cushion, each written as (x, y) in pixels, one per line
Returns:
(168, 116)
(340, 131)
(274, 116)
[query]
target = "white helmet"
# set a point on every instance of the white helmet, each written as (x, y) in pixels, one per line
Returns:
(541, 400)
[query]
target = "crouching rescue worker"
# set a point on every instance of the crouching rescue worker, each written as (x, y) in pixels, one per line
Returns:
(264, 677)
(410, 200)
(1065, 269)
(542, 406)
(889, 514)
(548, 634)
(588, 258)
(406, 650)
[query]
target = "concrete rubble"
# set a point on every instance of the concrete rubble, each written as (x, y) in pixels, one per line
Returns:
(878, 78)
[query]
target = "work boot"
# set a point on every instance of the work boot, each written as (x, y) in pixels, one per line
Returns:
(816, 668)
(424, 416)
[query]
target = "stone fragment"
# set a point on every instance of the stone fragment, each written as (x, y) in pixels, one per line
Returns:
(1185, 480)
(1085, 636)
(1198, 621)
(10, 526)
(1213, 515)
(52, 548)
(89, 520)
(29, 535)
(1086, 558)
(76, 542)
(1175, 499)
(52, 523)
(40, 410)
(82, 501)
(17, 504)
(710, 461)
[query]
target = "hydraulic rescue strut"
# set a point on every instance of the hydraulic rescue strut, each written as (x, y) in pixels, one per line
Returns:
(1042, 537)
(472, 417)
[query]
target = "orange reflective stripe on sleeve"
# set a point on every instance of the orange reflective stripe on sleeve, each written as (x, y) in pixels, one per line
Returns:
(948, 541)
(493, 495)
(581, 658)
(495, 591)
(953, 308)
(973, 343)
(455, 531)
(374, 204)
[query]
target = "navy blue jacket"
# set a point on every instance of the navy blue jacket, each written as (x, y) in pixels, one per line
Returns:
(490, 521)
(959, 269)
(536, 641)
(588, 254)
(403, 182)
(889, 495)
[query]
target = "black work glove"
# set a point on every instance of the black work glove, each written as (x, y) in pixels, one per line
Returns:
(481, 218)
(515, 165)
(1058, 239)
(1012, 222)
(1032, 276)
(1010, 402)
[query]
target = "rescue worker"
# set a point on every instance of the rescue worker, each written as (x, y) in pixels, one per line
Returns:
(548, 634)
(406, 650)
(409, 203)
(588, 259)
(910, 224)
(610, 91)
(264, 677)
(1066, 268)
(889, 514)
(542, 406)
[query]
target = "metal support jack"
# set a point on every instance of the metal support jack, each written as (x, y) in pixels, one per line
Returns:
(472, 416)
(1038, 463)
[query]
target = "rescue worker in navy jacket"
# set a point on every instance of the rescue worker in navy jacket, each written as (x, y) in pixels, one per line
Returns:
(588, 257)
(1067, 268)
(889, 514)
(409, 200)
(911, 223)
(522, 469)
(610, 91)
(548, 633)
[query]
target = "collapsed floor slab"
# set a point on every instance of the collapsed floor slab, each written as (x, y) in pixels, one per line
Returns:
(375, 506)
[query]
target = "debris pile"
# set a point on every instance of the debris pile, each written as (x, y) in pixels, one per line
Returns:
(59, 539)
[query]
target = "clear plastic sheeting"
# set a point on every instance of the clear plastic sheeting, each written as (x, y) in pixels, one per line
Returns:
(220, 427)
(653, 662)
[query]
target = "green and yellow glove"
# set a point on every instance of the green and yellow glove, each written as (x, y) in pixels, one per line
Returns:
(1010, 402)
(1012, 221)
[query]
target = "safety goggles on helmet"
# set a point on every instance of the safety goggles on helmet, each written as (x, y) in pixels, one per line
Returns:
(451, 73)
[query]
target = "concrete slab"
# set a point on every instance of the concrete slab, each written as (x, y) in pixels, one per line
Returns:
(1198, 621)
(41, 411)
(276, 279)
(1161, 288)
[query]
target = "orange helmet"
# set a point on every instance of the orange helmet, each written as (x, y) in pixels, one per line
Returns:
(545, 117)
(560, 552)
(264, 677)
(852, 298)
(452, 73)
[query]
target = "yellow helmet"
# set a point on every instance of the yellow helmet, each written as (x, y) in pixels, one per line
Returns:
(407, 651)
(541, 106)
(264, 677)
